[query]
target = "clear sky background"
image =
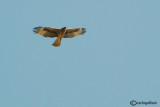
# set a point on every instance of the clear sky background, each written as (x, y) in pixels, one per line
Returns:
(116, 61)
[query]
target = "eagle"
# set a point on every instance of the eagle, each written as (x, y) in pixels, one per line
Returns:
(59, 33)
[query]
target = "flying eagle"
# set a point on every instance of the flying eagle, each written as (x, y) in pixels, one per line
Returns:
(59, 33)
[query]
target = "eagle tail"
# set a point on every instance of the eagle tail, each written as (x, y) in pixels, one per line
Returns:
(59, 38)
(56, 43)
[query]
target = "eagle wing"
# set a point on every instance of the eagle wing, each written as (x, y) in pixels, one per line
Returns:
(70, 33)
(46, 31)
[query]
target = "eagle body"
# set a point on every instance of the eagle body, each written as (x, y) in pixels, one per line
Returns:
(59, 33)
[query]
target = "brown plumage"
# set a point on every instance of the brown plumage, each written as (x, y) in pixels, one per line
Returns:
(59, 33)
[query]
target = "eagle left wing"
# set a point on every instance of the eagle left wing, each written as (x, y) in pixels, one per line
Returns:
(70, 33)
(46, 31)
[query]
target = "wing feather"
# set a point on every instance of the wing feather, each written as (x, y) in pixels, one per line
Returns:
(46, 31)
(70, 33)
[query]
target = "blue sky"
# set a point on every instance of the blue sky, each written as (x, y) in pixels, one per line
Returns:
(116, 61)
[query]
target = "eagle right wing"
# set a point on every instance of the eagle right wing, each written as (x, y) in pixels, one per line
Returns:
(46, 31)
(70, 33)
